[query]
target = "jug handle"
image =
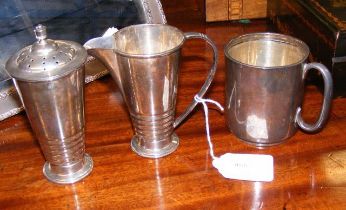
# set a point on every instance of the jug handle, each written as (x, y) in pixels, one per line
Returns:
(327, 98)
(210, 77)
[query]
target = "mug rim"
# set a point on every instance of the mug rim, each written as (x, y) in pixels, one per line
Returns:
(287, 39)
(152, 55)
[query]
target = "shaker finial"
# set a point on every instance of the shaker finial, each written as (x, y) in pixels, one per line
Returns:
(40, 32)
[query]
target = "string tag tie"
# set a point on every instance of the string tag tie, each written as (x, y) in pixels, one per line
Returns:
(250, 167)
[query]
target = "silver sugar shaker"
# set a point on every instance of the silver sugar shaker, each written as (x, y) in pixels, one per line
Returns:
(49, 77)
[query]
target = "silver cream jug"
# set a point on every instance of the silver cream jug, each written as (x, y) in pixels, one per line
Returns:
(144, 62)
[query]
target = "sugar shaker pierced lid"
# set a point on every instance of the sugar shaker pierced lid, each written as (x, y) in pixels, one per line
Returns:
(46, 59)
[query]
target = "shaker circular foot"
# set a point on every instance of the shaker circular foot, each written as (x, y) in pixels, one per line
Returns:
(69, 178)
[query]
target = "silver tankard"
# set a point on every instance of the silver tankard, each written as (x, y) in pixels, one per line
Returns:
(265, 87)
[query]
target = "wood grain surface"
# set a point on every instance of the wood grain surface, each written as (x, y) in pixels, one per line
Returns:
(310, 169)
(221, 10)
(216, 10)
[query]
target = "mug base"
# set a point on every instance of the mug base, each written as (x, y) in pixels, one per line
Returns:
(149, 153)
(259, 145)
(69, 178)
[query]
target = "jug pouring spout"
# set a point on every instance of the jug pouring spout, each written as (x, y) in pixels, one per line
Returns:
(102, 48)
(108, 58)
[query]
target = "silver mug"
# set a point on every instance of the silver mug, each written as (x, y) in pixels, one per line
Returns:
(265, 75)
(144, 62)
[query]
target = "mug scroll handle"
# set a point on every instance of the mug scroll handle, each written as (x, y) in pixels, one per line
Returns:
(206, 85)
(327, 99)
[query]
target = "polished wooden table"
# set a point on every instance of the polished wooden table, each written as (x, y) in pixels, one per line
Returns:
(310, 169)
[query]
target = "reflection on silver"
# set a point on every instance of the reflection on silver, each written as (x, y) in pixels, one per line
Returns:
(264, 87)
(257, 202)
(256, 127)
(266, 53)
(159, 187)
(77, 205)
(144, 62)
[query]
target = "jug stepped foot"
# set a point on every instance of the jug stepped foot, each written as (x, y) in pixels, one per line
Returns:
(155, 153)
(69, 178)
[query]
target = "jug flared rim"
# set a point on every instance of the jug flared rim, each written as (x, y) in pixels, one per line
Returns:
(155, 54)
(267, 36)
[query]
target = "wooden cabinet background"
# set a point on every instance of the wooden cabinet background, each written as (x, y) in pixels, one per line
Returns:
(220, 10)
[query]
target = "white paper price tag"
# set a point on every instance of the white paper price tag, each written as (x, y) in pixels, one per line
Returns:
(249, 167)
